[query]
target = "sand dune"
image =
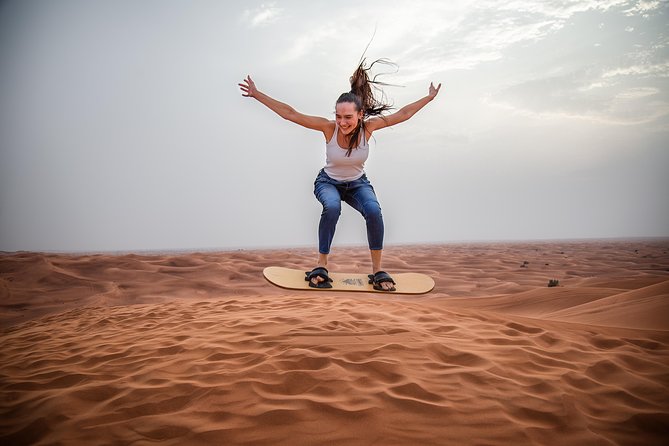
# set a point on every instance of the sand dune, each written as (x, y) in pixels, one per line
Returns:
(647, 307)
(198, 349)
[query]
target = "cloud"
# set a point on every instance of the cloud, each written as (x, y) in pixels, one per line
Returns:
(485, 30)
(428, 36)
(652, 70)
(643, 7)
(435, 36)
(306, 42)
(565, 93)
(265, 14)
(588, 95)
(636, 93)
(555, 9)
(571, 53)
(615, 80)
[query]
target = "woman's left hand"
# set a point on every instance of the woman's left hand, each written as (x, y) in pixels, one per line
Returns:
(433, 91)
(248, 88)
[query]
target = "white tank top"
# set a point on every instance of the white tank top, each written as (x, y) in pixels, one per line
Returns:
(340, 167)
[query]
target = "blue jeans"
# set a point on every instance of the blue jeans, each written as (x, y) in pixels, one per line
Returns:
(359, 194)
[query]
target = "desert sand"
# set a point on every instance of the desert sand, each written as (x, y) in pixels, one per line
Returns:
(198, 349)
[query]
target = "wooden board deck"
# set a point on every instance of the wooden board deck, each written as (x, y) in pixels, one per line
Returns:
(406, 283)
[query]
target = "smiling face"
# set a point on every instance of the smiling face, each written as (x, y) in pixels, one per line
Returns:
(347, 116)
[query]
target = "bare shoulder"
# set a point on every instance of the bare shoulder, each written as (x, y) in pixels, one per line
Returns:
(328, 131)
(380, 122)
(376, 123)
(311, 122)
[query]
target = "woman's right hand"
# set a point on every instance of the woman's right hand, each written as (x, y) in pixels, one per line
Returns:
(433, 91)
(248, 88)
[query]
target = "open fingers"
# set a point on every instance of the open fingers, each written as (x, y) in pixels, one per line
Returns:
(246, 86)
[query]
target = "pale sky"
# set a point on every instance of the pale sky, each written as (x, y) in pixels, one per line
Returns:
(122, 126)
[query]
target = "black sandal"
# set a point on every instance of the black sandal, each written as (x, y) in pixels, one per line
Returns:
(378, 278)
(321, 272)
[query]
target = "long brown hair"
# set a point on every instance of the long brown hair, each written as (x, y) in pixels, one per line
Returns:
(362, 96)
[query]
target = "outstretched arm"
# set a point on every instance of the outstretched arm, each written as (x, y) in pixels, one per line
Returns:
(403, 113)
(284, 110)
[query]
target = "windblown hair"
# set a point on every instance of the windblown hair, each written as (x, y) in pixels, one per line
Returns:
(362, 96)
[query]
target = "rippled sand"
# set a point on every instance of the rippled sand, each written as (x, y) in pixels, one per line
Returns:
(199, 349)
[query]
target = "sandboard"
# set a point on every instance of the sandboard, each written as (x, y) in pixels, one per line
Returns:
(406, 283)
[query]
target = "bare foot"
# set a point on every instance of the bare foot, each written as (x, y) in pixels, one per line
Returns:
(316, 280)
(387, 286)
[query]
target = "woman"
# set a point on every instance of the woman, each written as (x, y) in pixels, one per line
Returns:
(357, 116)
